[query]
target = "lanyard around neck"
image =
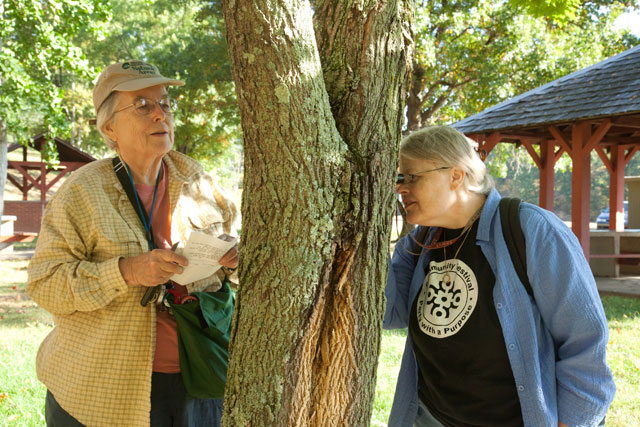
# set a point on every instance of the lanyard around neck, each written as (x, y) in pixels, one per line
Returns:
(130, 189)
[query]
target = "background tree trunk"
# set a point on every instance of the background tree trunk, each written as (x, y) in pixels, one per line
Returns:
(321, 122)
(4, 161)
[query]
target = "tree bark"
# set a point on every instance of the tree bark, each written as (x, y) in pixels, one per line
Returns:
(415, 99)
(321, 116)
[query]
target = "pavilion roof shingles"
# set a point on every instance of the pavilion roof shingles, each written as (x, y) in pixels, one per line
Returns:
(608, 88)
(66, 151)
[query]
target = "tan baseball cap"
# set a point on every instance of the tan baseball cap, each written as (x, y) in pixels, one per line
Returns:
(128, 76)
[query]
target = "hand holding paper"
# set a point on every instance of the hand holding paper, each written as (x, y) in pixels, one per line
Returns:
(230, 259)
(204, 253)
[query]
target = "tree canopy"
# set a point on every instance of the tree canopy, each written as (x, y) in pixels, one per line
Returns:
(471, 54)
(36, 50)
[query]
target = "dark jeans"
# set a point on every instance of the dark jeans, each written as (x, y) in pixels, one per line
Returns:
(171, 406)
(55, 416)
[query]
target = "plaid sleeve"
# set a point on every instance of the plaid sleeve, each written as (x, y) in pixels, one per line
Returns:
(62, 277)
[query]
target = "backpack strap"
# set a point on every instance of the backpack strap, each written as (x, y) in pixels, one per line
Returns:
(514, 238)
(417, 250)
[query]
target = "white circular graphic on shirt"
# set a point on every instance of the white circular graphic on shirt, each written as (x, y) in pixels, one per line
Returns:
(448, 296)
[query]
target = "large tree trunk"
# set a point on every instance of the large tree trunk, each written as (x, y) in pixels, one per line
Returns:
(321, 123)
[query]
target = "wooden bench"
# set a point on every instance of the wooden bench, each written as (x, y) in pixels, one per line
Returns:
(18, 237)
(614, 256)
(610, 249)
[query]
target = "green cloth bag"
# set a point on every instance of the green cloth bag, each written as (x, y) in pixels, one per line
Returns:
(204, 327)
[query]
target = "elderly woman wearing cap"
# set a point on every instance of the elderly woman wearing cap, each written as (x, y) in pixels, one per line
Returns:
(111, 361)
(483, 348)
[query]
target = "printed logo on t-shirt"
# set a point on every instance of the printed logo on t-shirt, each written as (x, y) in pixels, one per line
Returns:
(448, 296)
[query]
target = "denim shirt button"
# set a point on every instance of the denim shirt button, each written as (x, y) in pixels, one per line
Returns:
(499, 305)
(520, 388)
(512, 347)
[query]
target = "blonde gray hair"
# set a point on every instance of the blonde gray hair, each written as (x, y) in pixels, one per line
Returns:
(104, 114)
(446, 146)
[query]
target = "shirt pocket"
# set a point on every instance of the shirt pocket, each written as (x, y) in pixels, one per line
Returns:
(113, 239)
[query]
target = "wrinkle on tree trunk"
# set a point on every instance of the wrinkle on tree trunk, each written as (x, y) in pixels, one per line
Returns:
(321, 115)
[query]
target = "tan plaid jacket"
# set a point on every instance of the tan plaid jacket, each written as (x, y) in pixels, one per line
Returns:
(97, 361)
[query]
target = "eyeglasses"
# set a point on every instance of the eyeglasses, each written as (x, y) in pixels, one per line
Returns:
(410, 178)
(145, 106)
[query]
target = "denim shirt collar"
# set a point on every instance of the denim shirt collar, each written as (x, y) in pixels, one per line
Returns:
(488, 212)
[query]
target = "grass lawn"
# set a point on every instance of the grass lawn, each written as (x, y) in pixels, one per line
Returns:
(23, 325)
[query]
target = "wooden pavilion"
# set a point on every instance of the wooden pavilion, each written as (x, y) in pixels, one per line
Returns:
(37, 175)
(597, 108)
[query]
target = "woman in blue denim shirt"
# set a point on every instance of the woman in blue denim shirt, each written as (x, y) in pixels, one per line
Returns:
(480, 350)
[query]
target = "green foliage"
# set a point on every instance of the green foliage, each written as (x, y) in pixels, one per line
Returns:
(471, 54)
(35, 48)
(51, 53)
(558, 10)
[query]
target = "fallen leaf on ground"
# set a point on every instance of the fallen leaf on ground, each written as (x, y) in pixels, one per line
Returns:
(3, 396)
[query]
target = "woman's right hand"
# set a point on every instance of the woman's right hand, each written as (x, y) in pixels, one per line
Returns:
(151, 268)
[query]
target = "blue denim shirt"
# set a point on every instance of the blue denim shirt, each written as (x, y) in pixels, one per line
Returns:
(556, 341)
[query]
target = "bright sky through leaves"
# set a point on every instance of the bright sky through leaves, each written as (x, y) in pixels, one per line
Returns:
(630, 20)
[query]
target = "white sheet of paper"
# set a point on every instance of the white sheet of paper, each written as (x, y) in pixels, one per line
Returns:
(203, 252)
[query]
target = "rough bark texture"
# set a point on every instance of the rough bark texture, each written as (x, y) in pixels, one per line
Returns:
(321, 116)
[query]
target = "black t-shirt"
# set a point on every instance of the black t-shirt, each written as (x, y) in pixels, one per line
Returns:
(465, 378)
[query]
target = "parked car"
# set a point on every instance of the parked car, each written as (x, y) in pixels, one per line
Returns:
(603, 218)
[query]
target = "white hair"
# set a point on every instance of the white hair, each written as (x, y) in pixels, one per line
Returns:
(104, 115)
(446, 146)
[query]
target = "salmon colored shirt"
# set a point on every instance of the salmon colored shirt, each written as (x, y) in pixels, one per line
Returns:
(166, 358)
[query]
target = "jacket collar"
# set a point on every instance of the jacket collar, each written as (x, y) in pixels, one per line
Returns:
(488, 213)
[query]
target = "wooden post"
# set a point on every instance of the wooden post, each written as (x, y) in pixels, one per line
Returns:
(548, 161)
(620, 155)
(43, 183)
(616, 189)
(25, 183)
(581, 183)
